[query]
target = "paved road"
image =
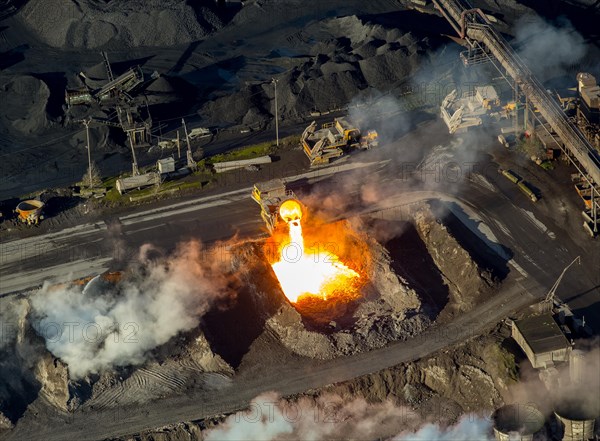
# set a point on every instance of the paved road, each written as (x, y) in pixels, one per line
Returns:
(92, 248)
(540, 253)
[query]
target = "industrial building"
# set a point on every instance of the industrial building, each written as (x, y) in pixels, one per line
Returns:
(589, 93)
(588, 107)
(542, 340)
(474, 27)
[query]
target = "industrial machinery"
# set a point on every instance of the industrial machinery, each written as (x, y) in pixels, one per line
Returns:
(517, 422)
(118, 98)
(510, 175)
(523, 185)
(576, 423)
(334, 140)
(271, 196)
(30, 211)
(475, 29)
(115, 89)
(550, 300)
(525, 188)
(460, 113)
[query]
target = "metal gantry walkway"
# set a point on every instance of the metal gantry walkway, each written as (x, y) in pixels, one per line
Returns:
(473, 26)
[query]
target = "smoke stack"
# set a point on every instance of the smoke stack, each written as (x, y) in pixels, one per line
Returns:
(576, 424)
(517, 422)
(576, 366)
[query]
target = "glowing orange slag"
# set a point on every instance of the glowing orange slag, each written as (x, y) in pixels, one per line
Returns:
(311, 271)
(291, 211)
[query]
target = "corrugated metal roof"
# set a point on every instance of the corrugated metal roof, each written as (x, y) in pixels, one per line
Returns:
(542, 334)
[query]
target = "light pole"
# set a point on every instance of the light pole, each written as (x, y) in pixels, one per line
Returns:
(89, 149)
(276, 116)
(134, 166)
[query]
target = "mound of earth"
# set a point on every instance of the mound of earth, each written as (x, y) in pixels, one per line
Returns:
(190, 362)
(26, 97)
(138, 23)
(167, 89)
(387, 310)
(5, 422)
(465, 280)
(390, 307)
(472, 377)
(31, 374)
(27, 369)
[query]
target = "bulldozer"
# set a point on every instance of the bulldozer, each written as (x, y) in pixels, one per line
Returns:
(333, 140)
(270, 196)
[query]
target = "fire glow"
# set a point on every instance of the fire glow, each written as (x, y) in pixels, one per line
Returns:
(309, 271)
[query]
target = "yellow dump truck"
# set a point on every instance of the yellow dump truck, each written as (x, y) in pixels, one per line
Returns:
(334, 139)
(270, 195)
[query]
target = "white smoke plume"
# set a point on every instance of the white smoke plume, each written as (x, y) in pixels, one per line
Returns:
(469, 428)
(377, 113)
(331, 417)
(579, 392)
(548, 50)
(445, 167)
(269, 417)
(264, 421)
(108, 325)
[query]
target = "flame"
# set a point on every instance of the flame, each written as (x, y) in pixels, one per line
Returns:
(310, 271)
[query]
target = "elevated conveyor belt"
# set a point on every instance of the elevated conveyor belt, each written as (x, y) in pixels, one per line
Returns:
(471, 25)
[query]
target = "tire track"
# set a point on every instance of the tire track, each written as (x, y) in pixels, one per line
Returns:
(169, 379)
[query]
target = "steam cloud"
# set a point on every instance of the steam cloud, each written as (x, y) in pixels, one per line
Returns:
(327, 417)
(548, 50)
(8, 312)
(376, 114)
(331, 417)
(117, 325)
(581, 395)
(468, 428)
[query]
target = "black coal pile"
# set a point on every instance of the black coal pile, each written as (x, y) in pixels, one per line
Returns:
(26, 97)
(349, 55)
(133, 23)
